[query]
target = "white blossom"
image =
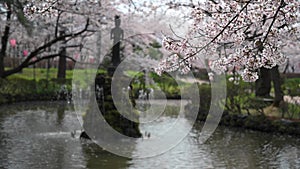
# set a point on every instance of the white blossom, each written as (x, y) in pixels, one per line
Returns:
(256, 29)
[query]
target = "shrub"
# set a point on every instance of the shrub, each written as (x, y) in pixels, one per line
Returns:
(19, 89)
(292, 86)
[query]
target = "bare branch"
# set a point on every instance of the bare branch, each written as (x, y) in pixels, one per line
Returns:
(133, 4)
(49, 57)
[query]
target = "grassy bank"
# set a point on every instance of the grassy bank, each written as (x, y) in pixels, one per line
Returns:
(18, 89)
(39, 84)
(242, 109)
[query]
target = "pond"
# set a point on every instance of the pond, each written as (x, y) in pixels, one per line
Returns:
(38, 135)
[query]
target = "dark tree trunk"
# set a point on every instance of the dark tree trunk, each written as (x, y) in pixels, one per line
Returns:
(62, 64)
(4, 41)
(277, 81)
(263, 84)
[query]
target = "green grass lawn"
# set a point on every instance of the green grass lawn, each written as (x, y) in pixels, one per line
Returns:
(42, 73)
(39, 73)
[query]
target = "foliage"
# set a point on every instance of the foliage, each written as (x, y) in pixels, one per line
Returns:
(293, 111)
(238, 95)
(19, 89)
(40, 73)
(155, 44)
(292, 86)
(205, 97)
(205, 100)
(167, 84)
(201, 74)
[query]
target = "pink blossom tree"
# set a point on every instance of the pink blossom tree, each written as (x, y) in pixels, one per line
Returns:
(256, 29)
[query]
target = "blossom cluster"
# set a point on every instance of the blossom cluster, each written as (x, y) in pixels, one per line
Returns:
(44, 8)
(180, 58)
(257, 30)
(292, 100)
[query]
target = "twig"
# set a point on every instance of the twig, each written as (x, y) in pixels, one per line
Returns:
(174, 32)
(133, 4)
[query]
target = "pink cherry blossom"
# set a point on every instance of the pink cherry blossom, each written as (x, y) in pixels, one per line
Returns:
(25, 53)
(13, 42)
(257, 31)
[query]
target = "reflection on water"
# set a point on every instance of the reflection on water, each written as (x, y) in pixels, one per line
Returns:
(38, 135)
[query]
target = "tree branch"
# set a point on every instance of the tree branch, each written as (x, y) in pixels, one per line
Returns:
(57, 23)
(49, 57)
(42, 58)
(4, 39)
(273, 21)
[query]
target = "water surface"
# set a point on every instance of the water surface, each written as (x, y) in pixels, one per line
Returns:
(38, 135)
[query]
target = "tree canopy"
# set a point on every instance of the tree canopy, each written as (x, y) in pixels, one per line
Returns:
(255, 31)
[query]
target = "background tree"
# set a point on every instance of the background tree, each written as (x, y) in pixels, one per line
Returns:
(41, 23)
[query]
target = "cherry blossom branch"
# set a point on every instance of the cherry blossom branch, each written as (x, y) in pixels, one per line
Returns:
(49, 7)
(219, 34)
(273, 21)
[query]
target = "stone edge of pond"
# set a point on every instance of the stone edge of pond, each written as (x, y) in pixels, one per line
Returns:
(259, 123)
(8, 99)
